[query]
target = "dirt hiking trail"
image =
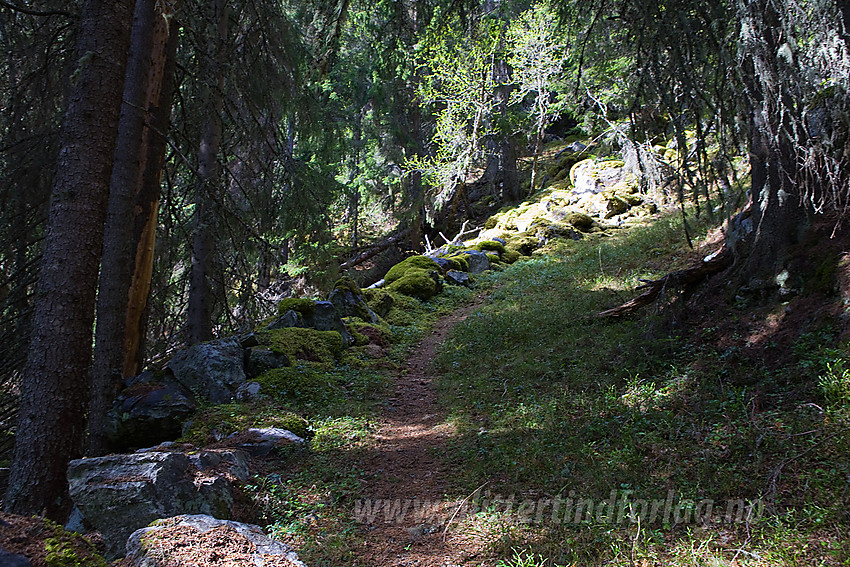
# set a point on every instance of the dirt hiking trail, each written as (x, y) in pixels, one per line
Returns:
(409, 468)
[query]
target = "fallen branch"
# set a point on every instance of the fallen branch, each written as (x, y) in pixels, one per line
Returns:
(374, 250)
(681, 279)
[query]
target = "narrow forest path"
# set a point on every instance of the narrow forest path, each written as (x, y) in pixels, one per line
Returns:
(408, 468)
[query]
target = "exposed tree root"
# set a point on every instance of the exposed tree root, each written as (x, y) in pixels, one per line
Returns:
(675, 280)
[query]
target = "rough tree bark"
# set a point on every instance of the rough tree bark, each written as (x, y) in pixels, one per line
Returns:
(55, 385)
(502, 161)
(160, 97)
(203, 239)
(117, 257)
(778, 211)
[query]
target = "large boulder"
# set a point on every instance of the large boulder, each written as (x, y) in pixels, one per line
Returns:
(150, 410)
(310, 314)
(204, 540)
(259, 442)
(325, 318)
(119, 494)
(212, 370)
(478, 261)
(347, 299)
(261, 359)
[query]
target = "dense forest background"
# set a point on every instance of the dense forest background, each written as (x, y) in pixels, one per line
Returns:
(172, 169)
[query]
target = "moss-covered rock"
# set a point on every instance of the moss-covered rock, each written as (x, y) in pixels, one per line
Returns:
(378, 300)
(418, 282)
(524, 244)
(461, 262)
(413, 263)
(345, 283)
(379, 334)
(322, 347)
(580, 221)
(348, 301)
(510, 256)
(306, 307)
(617, 206)
(216, 422)
(490, 246)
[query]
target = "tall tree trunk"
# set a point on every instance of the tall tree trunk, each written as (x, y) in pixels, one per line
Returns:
(778, 210)
(55, 380)
(203, 238)
(160, 96)
(117, 258)
(502, 161)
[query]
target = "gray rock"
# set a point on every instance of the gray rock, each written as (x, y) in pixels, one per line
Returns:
(501, 241)
(478, 261)
(260, 360)
(325, 318)
(455, 277)
(13, 559)
(350, 304)
(248, 341)
(139, 556)
(444, 263)
(76, 522)
(248, 391)
(586, 179)
(119, 494)
(291, 318)
(261, 442)
(148, 413)
(212, 371)
(233, 461)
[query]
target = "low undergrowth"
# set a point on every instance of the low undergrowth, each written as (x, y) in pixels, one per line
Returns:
(305, 497)
(640, 441)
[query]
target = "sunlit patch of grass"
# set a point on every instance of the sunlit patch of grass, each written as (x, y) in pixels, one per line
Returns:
(547, 399)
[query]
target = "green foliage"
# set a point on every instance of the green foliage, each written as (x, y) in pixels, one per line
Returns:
(458, 86)
(300, 384)
(66, 549)
(414, 262)
(835, 384)
(523, 559)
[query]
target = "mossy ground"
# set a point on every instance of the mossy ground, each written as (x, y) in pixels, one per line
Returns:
(307, 345)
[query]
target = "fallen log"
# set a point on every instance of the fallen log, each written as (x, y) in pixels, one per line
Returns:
(374, 249)
(711, 265)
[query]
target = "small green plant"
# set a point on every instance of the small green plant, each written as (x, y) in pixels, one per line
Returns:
(61, 552)
(835, 384)
(522, 558)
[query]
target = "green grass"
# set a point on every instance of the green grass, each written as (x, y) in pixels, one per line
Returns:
(550, 401)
